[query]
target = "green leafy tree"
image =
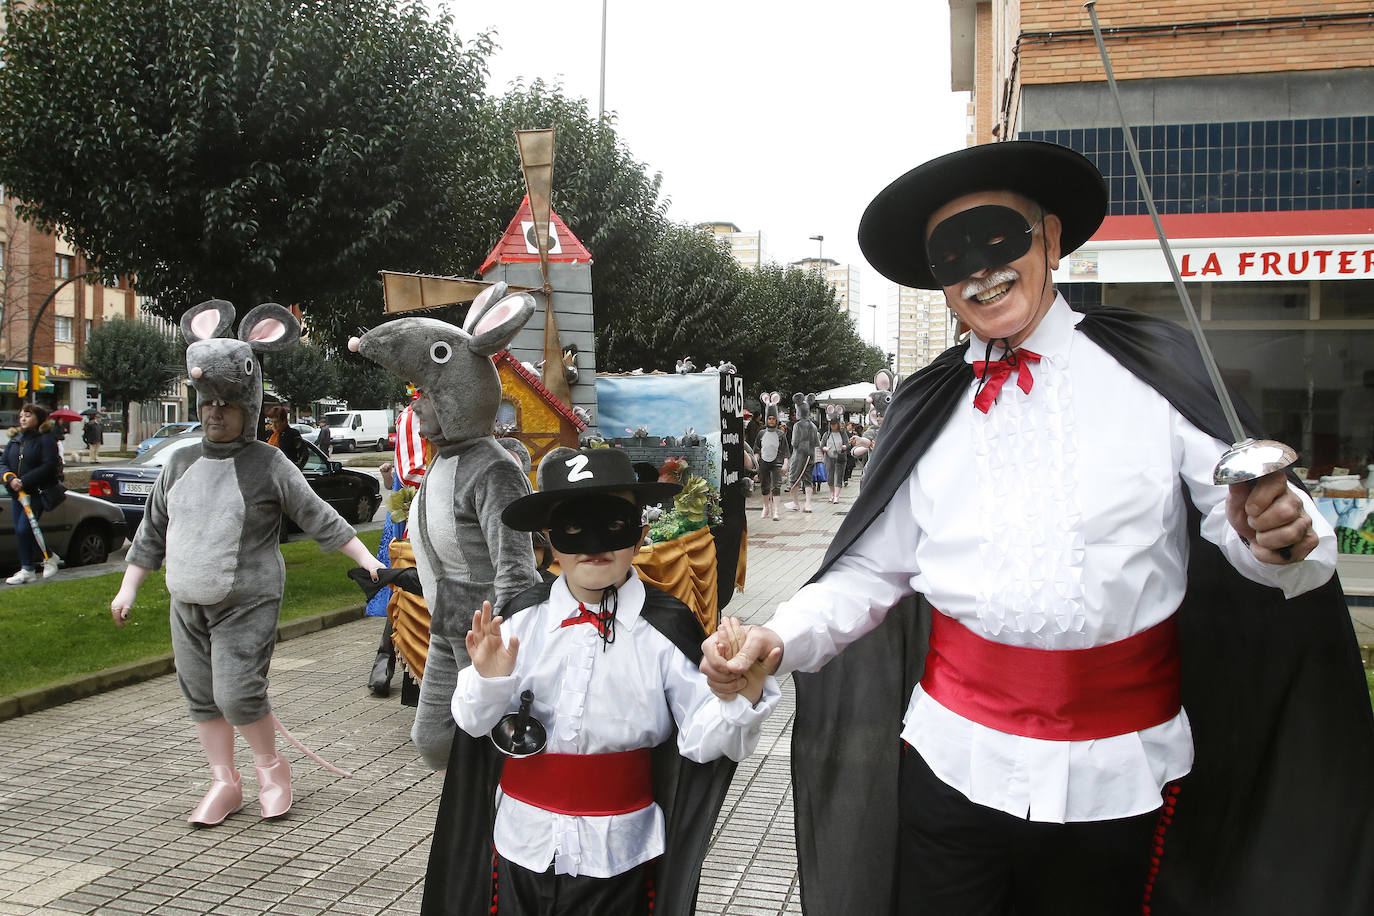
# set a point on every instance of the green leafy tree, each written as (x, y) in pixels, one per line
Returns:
(301, 375)
(252, 150)
(131, 361)
(365, 384)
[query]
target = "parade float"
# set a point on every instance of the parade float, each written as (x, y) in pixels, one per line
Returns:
(692, 424)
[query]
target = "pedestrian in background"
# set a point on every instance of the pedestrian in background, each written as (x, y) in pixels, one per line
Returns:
(31, 463)
(93, 434)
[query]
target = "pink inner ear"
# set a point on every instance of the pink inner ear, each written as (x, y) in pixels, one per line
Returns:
(267, 329)
(205, 324)
(499, 313)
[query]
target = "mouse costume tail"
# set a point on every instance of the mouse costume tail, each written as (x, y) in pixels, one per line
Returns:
(305, 750)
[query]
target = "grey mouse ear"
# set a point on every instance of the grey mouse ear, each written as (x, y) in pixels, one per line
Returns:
(270, 327)
(493, 293)
(212, 318)
(498, 323)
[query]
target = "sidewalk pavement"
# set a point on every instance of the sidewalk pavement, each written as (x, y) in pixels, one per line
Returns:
(94, 794)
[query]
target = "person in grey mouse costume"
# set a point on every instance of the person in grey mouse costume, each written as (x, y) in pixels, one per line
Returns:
(806, 439)
(215, 517)
(463, 553)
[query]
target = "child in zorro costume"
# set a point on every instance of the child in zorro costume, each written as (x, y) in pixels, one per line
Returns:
(607, 667)
(215, 517)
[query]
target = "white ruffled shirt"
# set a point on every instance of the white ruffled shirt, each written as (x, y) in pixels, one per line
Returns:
(1054, 521)
(599, 702)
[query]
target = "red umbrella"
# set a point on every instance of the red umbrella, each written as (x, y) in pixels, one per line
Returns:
(65, 413)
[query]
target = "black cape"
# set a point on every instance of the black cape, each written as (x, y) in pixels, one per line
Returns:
(1277, 815)
(458, 879)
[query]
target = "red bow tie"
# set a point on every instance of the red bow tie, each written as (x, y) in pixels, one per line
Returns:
(601, 620)
(995, 373)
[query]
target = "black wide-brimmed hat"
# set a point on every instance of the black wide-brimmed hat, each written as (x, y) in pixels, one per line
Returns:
(565, 473)
(892, 233)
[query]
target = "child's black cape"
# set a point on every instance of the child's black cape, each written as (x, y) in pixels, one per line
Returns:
(1277, 815)
(458, 880)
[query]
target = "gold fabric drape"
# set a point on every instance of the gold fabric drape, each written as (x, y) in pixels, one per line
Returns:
(409, 616)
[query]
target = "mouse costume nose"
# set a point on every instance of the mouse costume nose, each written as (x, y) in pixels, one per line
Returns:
(353, 344)
(196, 372)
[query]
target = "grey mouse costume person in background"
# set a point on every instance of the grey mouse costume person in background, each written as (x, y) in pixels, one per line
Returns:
(463, 553)
(214, 517)
(806, 440)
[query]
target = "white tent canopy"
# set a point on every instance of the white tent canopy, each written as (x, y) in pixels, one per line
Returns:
(855, 393)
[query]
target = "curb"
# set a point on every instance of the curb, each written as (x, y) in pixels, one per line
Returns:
(86, 685)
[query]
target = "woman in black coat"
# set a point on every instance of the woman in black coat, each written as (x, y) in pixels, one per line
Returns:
(31, 463)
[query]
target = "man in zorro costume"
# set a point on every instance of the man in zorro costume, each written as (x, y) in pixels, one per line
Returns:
(1114, 693)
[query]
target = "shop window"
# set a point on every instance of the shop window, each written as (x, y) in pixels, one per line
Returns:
(1272, 301)
(1160, 299)
(1347, 299)
(1312, 389)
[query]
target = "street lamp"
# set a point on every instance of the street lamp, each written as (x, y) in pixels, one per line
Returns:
(820, 249)
(874, 307)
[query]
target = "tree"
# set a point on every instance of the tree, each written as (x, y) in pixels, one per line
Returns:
(251, 150)
(365, 384)
(131, 361)
(301, 375)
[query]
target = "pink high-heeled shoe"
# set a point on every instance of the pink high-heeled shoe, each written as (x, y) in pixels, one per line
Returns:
(224, 797)
(274, 787)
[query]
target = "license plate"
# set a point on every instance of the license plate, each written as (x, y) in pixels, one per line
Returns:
(135, 489)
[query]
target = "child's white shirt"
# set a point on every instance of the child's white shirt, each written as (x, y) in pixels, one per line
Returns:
(598, 702)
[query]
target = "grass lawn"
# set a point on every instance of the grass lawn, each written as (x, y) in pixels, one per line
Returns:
(52, 631)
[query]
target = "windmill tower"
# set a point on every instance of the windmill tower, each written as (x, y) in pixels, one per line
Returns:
(539, 254)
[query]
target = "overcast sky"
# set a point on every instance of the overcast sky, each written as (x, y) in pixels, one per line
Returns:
(785, 117)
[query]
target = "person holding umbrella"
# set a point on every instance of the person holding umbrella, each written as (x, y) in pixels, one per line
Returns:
(30, 464)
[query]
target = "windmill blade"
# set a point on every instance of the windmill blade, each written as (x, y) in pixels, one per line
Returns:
(413, 292)
(536, 161)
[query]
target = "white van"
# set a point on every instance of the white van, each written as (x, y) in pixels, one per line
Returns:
(358, 429)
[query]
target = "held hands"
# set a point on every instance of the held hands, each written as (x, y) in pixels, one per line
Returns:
(728, 660)
(1269, 516)
(730, 635)
(490, 655)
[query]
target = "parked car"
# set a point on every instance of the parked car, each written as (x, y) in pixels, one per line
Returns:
(81, 531)
(358, 429)
(353, 495)
(168, 431)
(309, 433)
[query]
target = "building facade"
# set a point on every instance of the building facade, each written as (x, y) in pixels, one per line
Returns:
(745, 247)
(1256, 131)
(919, 328)
(47, 302)
(844, 279)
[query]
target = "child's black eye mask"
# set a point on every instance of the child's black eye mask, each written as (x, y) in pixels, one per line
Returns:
(594, 524)
(979, 238)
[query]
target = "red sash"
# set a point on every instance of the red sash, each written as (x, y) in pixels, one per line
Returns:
(585, 785)
(1057, 695)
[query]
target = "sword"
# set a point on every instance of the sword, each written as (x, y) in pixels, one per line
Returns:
(1248, 458)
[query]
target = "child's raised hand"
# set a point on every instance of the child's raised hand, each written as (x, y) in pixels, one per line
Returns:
(490, 655)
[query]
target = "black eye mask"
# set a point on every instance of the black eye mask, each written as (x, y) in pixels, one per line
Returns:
(596, 523)
(979, 238)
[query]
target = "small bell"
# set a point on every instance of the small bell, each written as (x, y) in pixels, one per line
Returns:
(520, 734)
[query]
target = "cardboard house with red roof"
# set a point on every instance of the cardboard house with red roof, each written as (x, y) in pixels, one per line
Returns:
(515, 260)
(531, 413)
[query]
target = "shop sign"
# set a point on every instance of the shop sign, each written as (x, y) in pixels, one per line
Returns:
(1248, 261)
